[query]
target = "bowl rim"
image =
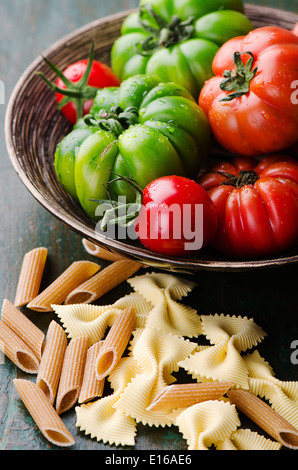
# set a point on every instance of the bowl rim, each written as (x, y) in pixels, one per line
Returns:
(130, 251)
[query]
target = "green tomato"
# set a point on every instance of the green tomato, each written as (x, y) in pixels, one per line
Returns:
(144, 130)
(176, 40)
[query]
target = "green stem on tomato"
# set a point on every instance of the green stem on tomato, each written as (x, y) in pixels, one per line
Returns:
(238, 80)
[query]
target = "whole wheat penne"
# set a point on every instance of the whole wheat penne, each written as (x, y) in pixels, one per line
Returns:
(100, 252)
(91, 386)
(265, 417)
(52, 361)
(103, 282)
(115, 342)
(72, 374)
(184, 395)
(30, 276)
(43, 413)
(17, 351)
(23, 327)
(76, 274)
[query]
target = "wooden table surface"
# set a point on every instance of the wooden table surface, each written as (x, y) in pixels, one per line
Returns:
(268, 296)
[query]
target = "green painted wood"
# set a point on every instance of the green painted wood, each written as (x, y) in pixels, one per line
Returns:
(269, 296)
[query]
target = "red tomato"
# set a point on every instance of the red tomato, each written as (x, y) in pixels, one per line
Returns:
(177, 216)
(257, 205)
(100, 76)
(249, 102)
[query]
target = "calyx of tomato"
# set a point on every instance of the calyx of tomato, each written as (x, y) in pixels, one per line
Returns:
(162, 34)
(118, 212)
(77, 92)
(245, 177)
(115, 120)
(238, 79)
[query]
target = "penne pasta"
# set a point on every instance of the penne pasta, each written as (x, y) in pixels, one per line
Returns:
(265, 417)
(17, 351)
(185, 395)
(103, 282)
(43, 413)
(30, 276)
(91, 386)
(29, 333)
(100, 252)
(56, 293)
(115, 342)
(72, 374)
(52, 361)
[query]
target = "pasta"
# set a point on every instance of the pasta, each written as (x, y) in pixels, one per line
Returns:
(245, 439)
(51, 361)
(265, 417)
(157, 354)
(26, 330)
(185, 395)
(72, 277)
(91, 386)
(163, 291)
(17, 351)
(43, 413)
(30, 276)
(230, 336)
(207, 423)
(72, 374)
(101, 419)
(115, 342)
(100, 252)
(103, 282)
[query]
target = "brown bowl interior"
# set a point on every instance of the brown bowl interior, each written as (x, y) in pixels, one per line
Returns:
(33, 128)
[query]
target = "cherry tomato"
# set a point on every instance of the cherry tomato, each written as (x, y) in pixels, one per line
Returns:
(177, 216)
(257, 205)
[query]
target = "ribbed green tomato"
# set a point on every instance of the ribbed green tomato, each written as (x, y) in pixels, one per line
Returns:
(177, 40)
(144, 129)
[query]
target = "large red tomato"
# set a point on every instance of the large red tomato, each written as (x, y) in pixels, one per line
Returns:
(257, 205)
(250, 101)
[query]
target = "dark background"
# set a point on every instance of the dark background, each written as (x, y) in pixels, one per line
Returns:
(27, 27)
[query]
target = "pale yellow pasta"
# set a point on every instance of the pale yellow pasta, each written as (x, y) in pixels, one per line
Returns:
(51, 361)
(101, 420)
(164, 291)
(246, 439)
(104, 281)
(43, 413)
(207, 423)
(157, 353)
(230, 336)
(56, 293)
(115, 342)
(17, 351)
(93, 320)
(265, 417)
(30, 276)
(91, 386)
(187, 394)
(72, 374)
(25, 329)
(100, 252)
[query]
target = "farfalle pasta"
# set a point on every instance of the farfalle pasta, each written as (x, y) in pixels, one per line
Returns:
(207, 423)
(157, 354)
(229, 336)
(246, 439)
(164, 291)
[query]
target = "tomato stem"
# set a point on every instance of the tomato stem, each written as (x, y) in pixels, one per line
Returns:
(116, 120)
(78, 92)
(238, 80)
(162, 34)
(245, 177)
(119, 212)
